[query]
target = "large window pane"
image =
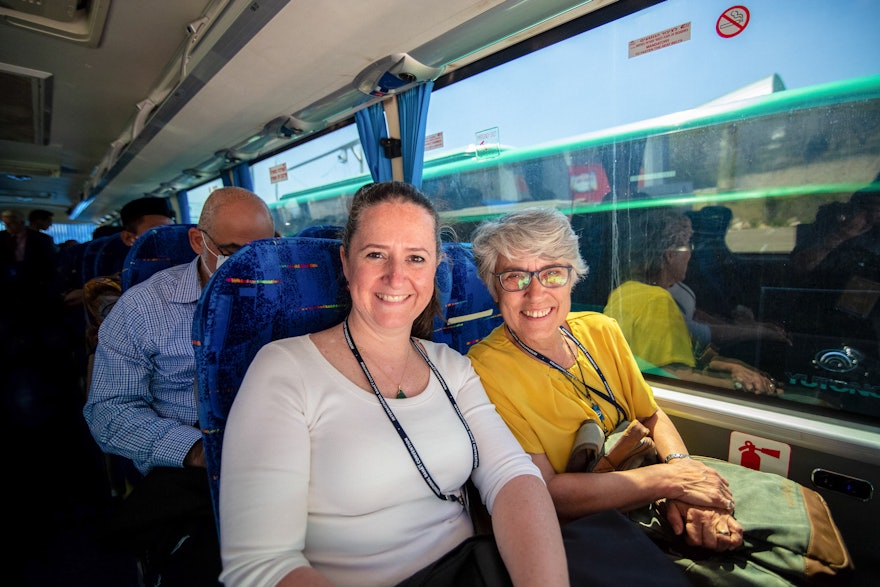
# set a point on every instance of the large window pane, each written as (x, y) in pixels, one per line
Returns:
(759, 140)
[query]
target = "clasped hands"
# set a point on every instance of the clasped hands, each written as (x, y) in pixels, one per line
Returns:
(703, 509)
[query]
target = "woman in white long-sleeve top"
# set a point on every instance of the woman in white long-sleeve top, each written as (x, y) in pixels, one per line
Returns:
(346, 450)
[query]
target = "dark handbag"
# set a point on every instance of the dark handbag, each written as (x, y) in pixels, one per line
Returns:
(600, 549)
(475, 562)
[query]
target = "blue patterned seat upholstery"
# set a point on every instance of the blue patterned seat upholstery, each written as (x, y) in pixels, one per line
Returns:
(111, 257)
(322, 231)
(91, 253)
(469, 312)
(270, 289)
(156, 249)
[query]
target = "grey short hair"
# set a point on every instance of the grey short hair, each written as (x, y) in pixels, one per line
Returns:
(531, 232)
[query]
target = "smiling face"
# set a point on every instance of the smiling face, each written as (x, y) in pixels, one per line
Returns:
(390, 265)
(535, 313)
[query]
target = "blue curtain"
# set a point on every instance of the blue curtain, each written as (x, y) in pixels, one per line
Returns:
(183, 206)
(238, 176)
(413, 108)
(371, 128)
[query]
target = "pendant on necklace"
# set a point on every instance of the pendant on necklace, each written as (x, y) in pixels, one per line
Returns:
(400, 394)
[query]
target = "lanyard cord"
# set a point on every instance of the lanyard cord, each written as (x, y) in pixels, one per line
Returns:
(609, 397)
(396, 423)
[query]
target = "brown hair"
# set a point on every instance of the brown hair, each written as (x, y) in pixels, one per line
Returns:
(397, 191)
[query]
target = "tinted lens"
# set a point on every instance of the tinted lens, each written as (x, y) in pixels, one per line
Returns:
(554, 276)
(515, 280)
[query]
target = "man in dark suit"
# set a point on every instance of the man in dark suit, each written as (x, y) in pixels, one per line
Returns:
(27, 258)
(27, 278)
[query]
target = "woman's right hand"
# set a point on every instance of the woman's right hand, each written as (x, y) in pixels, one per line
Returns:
(697, 484)
(753, 381)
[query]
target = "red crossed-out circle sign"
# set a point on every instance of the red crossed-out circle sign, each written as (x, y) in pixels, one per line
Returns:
(732, 21)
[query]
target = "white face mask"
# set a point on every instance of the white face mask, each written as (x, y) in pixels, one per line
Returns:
(220, 258)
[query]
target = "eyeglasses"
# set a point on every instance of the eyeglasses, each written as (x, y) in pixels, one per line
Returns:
(551, 277)
(683, 248)
(225, 250)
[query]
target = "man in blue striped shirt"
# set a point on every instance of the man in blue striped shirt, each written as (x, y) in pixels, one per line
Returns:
(142, 401)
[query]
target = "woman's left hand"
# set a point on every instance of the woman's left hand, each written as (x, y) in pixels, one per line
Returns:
(710, 528)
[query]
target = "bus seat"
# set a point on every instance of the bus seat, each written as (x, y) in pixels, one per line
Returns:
(270, 289)
(90, 255)
(158, 248)
(469, 312)
(322, 231)
(111, 257)
(282, 287)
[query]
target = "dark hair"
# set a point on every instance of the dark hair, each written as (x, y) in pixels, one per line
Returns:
(105, 230)
(132, 212)
(866, 198)
(37, 215)
(397, 191)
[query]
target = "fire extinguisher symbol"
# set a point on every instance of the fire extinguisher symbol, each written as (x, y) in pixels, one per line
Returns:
(750, 457)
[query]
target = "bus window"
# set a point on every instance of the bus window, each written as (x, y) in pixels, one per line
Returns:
(755, 161)
(196, 197)
(752, 164)
(333, 158)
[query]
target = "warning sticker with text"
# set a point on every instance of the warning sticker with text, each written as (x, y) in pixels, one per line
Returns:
(660, 40)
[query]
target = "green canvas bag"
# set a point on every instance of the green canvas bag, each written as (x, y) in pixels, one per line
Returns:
(789, 535)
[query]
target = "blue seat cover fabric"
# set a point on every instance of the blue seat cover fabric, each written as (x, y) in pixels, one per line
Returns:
(111, 257)
(156, 249)
(322, 231)
(283, 287)
(91, 253)
(469, 312)
(268, 290)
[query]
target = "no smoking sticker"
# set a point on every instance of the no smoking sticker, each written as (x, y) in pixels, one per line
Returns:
(732, 21)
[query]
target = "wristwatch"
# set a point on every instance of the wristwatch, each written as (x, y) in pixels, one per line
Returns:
(676, 455)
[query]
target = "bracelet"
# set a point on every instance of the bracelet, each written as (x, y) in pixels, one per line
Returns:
(676, 455)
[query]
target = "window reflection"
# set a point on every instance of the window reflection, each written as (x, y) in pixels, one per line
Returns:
(765, 182)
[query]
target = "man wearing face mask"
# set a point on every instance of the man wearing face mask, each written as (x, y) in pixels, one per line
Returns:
(142, 401)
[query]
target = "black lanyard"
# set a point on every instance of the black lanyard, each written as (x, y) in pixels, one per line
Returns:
(400, 431)
(609, 397)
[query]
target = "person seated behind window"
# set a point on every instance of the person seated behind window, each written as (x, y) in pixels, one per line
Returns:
(843, 241)
(656, 245)
(841, 255)
(318, 487)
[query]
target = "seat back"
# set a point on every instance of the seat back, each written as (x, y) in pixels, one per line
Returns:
(270, 289)
(322, 231)
(156, 249)
(469, 312)
(111, 257)
(90, 256)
